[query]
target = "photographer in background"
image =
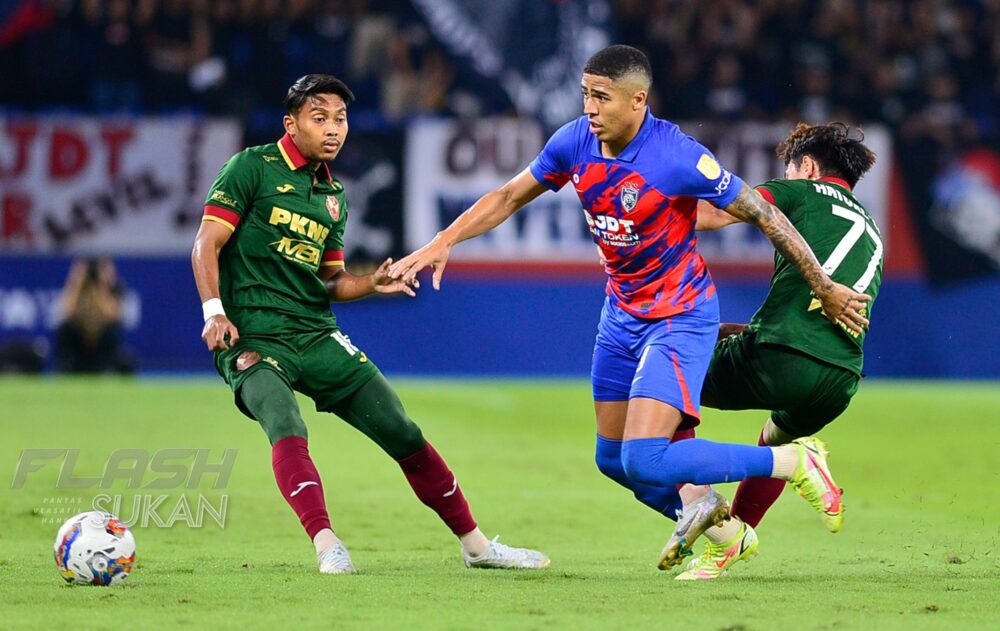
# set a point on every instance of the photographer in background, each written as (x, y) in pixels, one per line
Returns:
(89, 338)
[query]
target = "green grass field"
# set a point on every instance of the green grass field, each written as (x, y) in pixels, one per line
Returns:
(918, 550)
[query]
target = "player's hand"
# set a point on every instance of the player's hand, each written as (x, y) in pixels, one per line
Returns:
(600, 257)
(728, 328)
(383, 284)
(217, 329)
(434, 255)
(842, 305)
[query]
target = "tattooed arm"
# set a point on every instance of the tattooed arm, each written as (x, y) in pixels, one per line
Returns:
(841, 305)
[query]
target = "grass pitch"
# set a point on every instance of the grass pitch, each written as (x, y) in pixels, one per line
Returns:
(918, 550)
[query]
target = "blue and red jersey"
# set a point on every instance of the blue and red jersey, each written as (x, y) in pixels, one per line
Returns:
(641, 208)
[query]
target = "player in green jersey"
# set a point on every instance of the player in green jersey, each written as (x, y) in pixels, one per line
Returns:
(790, 359)
(268, 260)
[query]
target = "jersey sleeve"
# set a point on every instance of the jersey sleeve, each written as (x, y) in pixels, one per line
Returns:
(552, 166)
(232, 193)
(333, 247)
(783, 194)
(697, 173)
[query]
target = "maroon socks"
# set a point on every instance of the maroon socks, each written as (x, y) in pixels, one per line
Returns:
(756, 495)
(299, 482)
(436, 486)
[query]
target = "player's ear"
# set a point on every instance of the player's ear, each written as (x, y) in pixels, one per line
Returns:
(639, 100)
(810, 168)
(289, 122)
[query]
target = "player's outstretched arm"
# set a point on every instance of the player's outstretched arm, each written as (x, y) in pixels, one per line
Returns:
(491, 210)
(712, 218)
(342, 286)
(840, 304)
(205, 261)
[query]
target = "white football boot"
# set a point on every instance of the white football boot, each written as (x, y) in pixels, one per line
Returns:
(335, 560)
(500, 556)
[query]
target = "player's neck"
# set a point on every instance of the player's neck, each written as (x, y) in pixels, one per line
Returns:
(614, 149)
(315, 167)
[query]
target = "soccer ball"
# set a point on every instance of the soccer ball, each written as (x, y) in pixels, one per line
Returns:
(94, 548)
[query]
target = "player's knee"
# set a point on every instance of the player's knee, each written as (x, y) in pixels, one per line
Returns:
(408, 439)
(396, 433)
(271, 402)
(283, 426)
(644, 461)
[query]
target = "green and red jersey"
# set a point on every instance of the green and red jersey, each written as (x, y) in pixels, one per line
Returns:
(846, 241)
(288, 220)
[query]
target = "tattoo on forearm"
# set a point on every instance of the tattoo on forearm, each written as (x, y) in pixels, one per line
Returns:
(752, 208)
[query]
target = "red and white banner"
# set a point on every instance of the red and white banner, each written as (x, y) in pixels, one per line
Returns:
(450, 164)
(107, 186)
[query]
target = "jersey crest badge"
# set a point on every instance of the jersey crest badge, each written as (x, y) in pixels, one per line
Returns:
(629, 197)
(333, 205)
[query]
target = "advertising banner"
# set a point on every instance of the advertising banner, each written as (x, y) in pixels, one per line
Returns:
(449, 164)
(117, 186)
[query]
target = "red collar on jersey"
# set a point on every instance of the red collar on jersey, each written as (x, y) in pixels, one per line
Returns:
(295, 160)
(836, 180)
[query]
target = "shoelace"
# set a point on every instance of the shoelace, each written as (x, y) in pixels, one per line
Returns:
(338, 555)
(499, 550)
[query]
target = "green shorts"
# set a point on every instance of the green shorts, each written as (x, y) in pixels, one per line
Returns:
(323, 365)
(803, 393)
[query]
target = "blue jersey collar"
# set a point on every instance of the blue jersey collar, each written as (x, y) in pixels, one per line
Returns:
(631, 150)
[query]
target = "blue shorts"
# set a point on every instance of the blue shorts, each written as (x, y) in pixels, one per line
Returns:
(664, 359)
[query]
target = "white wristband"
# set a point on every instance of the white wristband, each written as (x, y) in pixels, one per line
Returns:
(212, 307)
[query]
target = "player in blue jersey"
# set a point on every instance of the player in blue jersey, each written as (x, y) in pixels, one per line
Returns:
(639, 178)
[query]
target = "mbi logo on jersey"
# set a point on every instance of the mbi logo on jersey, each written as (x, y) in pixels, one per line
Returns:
(612, 230)
(298, 250)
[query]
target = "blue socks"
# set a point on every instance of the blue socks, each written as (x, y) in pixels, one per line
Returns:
(655, 461)
(662, 499)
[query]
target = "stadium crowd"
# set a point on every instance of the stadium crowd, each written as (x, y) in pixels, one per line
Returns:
(921, 66)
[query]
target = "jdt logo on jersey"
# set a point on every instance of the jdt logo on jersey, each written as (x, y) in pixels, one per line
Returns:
(612, 230)
(629, 197)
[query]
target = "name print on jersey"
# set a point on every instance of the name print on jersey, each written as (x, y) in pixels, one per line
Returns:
(299, 250)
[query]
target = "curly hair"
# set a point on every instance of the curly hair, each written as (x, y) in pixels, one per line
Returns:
(833, 149)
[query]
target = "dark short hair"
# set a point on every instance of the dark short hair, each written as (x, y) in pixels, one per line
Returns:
(833, 149)
(313, 84)
(615, 62)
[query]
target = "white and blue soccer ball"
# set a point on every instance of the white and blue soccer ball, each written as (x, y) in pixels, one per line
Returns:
(94, 548)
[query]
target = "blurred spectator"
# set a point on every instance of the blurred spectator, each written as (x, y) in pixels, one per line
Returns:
(904, 63)
(89, 338)
(726, 98)
(179, 38)
(118, 29)
(25, 357)
(901, 62)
